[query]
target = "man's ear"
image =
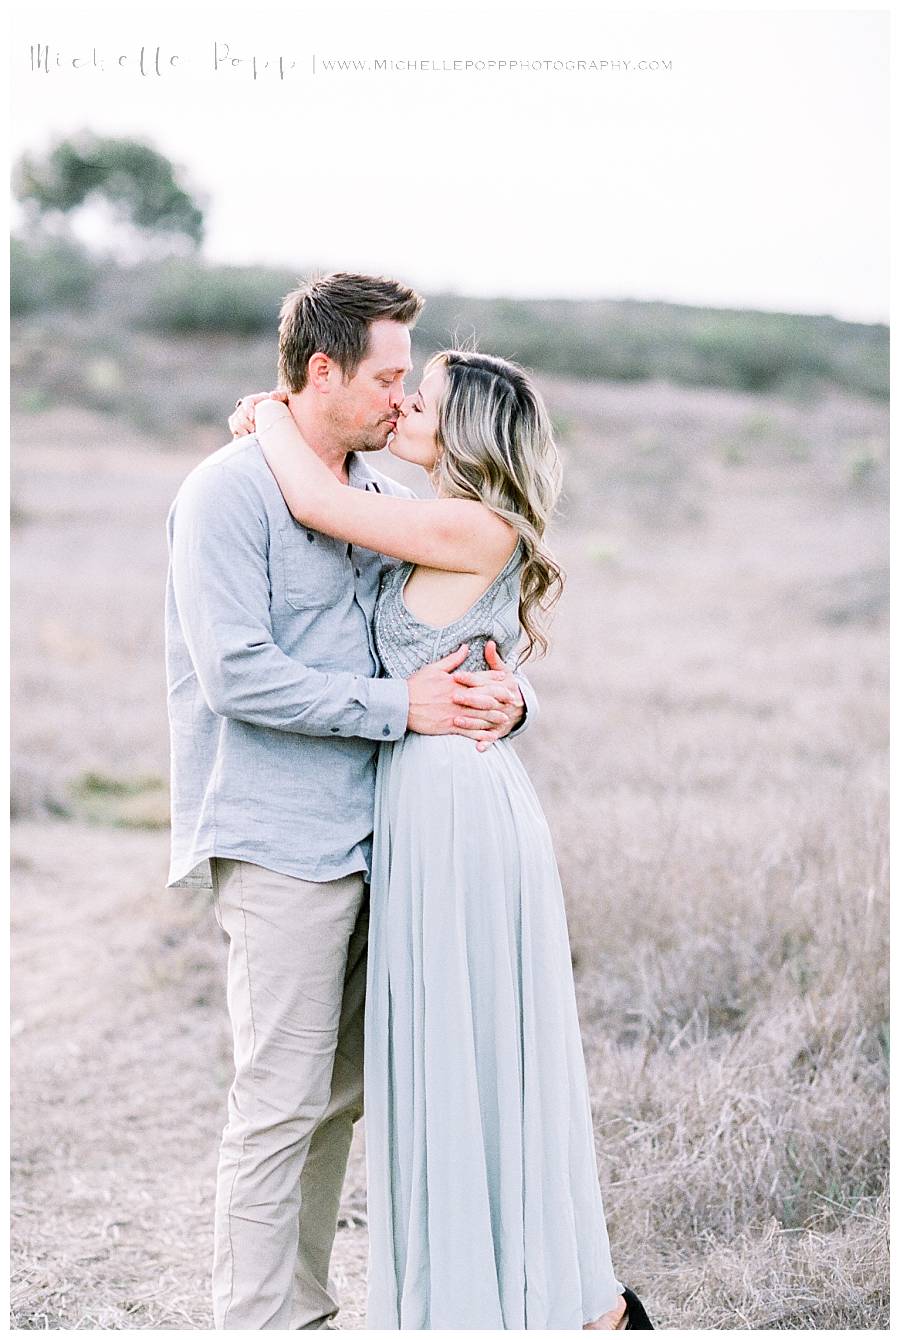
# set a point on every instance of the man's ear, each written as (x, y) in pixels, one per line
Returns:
(320, 369)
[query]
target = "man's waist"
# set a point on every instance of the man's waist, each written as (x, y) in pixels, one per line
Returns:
(190, 866)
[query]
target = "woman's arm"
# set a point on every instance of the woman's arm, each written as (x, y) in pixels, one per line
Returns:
(453, 533)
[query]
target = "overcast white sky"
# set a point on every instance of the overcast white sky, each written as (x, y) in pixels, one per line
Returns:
(752, 173)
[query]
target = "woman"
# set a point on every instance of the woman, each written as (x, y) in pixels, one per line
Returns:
(484, 1204)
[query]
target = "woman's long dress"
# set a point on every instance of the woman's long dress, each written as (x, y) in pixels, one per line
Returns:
(484, 1204)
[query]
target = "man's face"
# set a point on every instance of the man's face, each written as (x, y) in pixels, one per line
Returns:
(364, 410)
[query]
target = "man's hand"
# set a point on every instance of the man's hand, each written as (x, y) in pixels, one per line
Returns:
(495, 680)
(435, 699)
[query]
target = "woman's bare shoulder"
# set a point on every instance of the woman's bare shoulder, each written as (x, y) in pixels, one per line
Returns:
(495, 538)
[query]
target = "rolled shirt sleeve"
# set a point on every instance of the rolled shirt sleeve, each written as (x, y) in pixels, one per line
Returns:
(530, 699)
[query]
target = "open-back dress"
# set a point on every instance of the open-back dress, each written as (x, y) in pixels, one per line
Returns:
(484, 1204)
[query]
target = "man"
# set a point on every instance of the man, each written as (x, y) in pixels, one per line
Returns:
(276, 710)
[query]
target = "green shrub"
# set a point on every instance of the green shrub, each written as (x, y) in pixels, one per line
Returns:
(615, 341)
(634, 341)
(49, 274)
(182, 297)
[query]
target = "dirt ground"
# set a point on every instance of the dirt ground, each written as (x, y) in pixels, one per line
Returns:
(711, 755)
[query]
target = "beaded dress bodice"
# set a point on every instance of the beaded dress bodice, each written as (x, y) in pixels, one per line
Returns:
(405, 643)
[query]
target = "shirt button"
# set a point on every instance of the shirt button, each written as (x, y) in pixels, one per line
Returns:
(386, 731)
(335, 729)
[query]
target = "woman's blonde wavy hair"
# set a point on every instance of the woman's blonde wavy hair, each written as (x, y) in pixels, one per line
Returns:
(496, 446)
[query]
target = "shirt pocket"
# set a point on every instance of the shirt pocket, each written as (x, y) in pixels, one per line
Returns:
(313, 568)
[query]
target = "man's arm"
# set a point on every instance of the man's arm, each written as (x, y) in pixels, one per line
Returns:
(218, 540)
(530, 704)
(517, 700)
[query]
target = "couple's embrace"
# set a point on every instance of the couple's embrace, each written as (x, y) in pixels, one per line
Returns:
(341, 712)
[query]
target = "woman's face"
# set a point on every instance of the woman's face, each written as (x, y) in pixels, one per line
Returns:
(415, 438)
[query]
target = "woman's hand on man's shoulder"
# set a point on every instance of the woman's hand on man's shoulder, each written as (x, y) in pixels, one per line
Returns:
(243, 418)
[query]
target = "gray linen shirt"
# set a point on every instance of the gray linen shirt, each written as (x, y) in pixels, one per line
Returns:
(276, 701)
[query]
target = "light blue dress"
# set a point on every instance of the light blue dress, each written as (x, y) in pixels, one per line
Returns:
(484, 1204)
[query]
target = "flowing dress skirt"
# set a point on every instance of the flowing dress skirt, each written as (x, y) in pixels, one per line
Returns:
(485, 1208)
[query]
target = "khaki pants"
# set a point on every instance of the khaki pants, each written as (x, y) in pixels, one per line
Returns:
(296, 999)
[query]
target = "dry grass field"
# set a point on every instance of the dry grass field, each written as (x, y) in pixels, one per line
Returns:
(712, 758)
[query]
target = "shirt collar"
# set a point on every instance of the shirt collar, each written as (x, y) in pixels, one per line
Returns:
(360, 474)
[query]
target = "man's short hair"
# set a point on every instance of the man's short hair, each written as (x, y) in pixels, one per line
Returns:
(332, 315)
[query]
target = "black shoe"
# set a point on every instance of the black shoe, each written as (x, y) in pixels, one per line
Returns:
(636, 1318)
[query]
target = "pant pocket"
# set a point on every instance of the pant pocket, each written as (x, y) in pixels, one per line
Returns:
(214, 872)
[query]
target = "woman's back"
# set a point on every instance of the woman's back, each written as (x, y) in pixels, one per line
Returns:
(405, 641)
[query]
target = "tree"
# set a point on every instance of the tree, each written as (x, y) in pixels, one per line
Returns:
(139, 186)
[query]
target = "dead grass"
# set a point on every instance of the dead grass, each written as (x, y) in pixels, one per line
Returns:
(712, 759)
